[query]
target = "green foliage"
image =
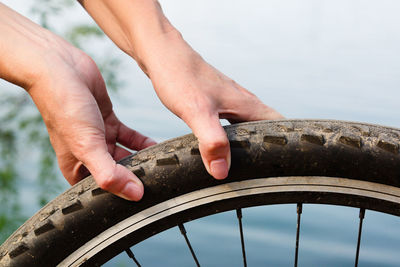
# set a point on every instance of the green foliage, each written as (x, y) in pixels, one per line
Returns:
(49, 8)
(22, 128)
(10, 216)
(76, 34)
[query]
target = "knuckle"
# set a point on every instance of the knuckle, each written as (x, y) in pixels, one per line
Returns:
(216, 145)
(106, 179)
(106, 182)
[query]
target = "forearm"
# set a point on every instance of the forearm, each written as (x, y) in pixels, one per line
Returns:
(22, 47)
(186, 84)
(138, 27)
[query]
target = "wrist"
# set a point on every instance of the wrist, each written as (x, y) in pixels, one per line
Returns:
(134, 26)
(25, 48)
(152, 52)
(51, 55)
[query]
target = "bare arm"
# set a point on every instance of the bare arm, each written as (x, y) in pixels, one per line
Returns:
(190, 87)
(70, 93)
(132, 25)
(21, 42)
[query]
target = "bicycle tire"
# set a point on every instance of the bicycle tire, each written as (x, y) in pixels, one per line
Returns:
(308, 161)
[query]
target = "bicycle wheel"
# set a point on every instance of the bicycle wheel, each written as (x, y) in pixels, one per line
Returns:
(288, 161)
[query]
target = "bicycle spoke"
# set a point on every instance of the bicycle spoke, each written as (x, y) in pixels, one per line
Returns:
(299, 211)
(361, 216)
(183, 232)
(130, 254)
(239, 216)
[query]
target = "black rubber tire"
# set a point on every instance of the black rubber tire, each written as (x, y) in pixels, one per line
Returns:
(259, 150)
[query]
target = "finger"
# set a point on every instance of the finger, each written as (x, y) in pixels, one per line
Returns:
(213, 144)
(245, 106)
(72, 169)
(117, 152)
(79, 172)
(111, 176)
(120, 153)
(133, 139)
(263, 113)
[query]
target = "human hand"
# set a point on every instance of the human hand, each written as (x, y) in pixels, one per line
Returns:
(201, 95)
(84, 131)
(185, 83)
(70, 93)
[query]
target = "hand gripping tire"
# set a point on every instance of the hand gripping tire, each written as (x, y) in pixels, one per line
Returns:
(289, 161)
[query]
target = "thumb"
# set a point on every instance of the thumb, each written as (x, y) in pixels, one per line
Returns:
(213, 144)
(111, 176)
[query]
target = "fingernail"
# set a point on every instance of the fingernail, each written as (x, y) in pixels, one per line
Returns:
(219, 168)
(132, 191)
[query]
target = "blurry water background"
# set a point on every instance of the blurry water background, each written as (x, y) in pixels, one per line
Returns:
(307, 59)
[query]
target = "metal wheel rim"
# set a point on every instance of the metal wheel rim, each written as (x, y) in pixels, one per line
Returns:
(235, 190)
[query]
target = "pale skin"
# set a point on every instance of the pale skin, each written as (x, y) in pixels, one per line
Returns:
(68, 90)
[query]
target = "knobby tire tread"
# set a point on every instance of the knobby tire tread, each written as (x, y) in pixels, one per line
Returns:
(172, 168)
